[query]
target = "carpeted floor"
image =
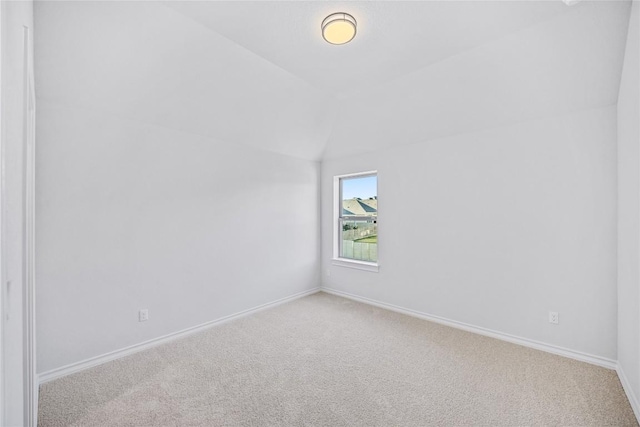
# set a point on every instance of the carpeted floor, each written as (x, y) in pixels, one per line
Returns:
(328, 361)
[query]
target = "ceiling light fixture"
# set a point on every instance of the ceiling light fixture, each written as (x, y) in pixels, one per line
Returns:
(339, 28)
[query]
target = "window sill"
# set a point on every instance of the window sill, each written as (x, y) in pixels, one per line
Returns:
(352, 263)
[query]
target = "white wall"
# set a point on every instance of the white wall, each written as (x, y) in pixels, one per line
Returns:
(133, 216)
(15, 16)
(497, 228)
(629, 212)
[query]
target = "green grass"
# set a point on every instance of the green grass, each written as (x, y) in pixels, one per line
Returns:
(370, 239)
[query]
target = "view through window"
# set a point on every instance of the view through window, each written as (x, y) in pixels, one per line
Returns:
(358, 217)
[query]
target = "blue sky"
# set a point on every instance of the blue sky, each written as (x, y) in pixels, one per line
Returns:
(360, 187)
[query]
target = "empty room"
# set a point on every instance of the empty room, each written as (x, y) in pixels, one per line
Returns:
(319, 213)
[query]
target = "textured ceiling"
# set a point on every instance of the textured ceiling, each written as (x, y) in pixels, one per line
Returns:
(259, 73)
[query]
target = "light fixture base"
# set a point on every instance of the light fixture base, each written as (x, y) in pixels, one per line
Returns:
(339, 28)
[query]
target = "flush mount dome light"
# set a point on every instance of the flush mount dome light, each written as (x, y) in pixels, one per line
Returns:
(339, 28)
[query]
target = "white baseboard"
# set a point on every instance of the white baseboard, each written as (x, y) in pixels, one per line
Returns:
(633, 399)
(538, 345)
(117, 354)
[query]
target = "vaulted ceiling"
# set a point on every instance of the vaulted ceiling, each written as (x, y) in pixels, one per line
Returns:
(260, 74)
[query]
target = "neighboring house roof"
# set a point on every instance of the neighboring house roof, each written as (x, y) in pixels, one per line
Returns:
(368, 207)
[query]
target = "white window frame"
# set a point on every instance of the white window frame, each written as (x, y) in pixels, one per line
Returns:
(337, 205)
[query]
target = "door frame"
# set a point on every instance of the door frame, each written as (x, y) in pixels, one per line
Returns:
(28, 234)
(3, 279)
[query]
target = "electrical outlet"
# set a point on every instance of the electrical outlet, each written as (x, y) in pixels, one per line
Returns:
(553, 317)
(143, 315)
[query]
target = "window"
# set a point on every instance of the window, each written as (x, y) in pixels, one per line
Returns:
(356, 214)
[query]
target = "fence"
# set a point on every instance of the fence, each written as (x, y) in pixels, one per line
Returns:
(364, 229)
(360, 251)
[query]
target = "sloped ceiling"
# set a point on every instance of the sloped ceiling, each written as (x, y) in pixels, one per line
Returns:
(259, 73)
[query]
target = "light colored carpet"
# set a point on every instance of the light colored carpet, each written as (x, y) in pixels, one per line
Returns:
(328, 361)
